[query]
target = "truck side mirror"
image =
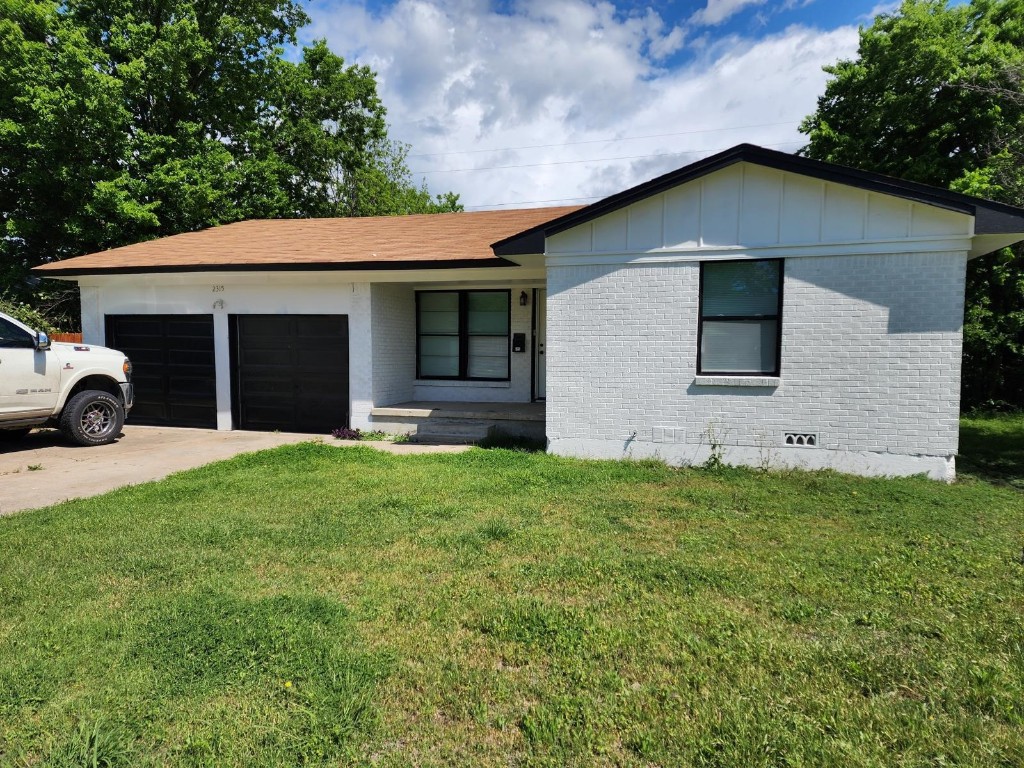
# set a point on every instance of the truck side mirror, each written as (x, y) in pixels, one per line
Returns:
(42, 341)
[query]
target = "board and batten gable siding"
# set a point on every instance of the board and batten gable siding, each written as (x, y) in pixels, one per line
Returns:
(749, 206)
(871, 328)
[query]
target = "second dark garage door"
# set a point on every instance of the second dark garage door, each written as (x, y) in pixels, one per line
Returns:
(290, 372)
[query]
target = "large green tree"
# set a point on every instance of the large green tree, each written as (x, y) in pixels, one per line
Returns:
(122, 120)
(936, 95)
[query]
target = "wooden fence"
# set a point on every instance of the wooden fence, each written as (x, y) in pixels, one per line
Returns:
(74, 338)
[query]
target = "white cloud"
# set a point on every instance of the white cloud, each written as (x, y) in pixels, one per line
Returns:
(878, 10)
(717, 11)
(459, 78)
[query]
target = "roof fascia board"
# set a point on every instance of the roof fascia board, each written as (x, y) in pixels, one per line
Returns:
(352, 266)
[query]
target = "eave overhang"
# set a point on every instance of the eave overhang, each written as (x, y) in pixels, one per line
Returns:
(350, 266)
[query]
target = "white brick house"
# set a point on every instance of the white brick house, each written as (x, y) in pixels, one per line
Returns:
(769, 309)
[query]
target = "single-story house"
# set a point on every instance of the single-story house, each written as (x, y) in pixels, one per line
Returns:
(761, 307)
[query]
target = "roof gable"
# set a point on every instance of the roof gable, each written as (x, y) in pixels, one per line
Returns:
(751, 206)
(990, 218)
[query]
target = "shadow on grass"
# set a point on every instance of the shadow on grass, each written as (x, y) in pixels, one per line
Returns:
(992, 448)
(514, 443)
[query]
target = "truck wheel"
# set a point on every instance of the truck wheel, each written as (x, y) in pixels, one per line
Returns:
(10, 435)
(92, 417)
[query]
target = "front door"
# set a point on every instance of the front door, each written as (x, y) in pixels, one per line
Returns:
(540, 338)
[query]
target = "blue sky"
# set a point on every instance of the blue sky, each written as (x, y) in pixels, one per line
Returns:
(517, 103)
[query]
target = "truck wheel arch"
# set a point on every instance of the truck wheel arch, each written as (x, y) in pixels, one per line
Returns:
(94, 381)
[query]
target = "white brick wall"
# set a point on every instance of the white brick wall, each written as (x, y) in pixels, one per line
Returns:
(870, 363)
(393, 326)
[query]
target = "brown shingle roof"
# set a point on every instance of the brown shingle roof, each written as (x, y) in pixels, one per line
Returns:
(378, 242)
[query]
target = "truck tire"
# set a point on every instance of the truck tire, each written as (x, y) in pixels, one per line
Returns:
(92, 417)
(10, 435)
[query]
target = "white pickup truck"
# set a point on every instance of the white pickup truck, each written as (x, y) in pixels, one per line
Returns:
(82, 389)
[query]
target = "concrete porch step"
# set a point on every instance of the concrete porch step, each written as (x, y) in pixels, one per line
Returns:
(422, 409)
(453, 431)
(459, 423)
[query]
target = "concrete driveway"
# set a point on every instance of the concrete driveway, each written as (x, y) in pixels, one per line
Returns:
(45, 469)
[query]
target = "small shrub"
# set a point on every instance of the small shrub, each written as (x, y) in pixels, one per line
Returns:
(26, 314)
(347, 433)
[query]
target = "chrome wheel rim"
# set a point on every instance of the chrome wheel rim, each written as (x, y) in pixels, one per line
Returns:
(98, 419)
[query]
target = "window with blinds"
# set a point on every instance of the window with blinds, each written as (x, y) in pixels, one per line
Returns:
(463, 335)
(740, 311)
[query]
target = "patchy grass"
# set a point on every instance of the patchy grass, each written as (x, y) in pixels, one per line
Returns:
(348, 433)
(992, 447)
(341, 606)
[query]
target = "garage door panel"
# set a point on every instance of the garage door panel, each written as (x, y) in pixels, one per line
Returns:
(325, 326)
(324, 389)
(147, 413)
(276, 340)
(142, 357)
(337, 359)
(291, 371)
(259, 326)
(190, 361)
(266, 388)
(187, 414)
(191, 386)
(279, 357)
(265, 418)
(173, 367)
(186, 328)
(136, 327)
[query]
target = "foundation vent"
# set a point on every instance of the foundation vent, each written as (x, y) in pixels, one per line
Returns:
(800, 439)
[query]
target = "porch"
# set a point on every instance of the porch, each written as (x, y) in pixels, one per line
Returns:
(460, 422)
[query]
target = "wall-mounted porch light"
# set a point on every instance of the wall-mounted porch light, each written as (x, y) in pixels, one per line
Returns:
(523, 299)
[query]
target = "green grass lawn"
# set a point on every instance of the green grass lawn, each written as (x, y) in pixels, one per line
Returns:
(334, 606)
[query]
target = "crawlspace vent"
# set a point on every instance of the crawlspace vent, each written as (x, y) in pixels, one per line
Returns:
(800, 439)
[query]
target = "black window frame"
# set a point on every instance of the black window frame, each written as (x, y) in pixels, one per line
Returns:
(464, 335)
(777, 317)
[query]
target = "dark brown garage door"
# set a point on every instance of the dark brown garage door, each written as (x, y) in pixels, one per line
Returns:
(173, 367)
(290, 372)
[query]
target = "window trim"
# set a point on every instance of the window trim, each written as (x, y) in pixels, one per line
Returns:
(464, 335)
(777, 317)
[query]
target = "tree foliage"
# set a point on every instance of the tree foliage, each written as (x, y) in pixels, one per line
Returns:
(936, 95)
(122, 120)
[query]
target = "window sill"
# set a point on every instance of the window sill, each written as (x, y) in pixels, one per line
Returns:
(462, 383)
(737, 381)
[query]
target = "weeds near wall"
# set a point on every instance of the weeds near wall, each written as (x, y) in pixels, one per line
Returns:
(766, 453)
(714, 436)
